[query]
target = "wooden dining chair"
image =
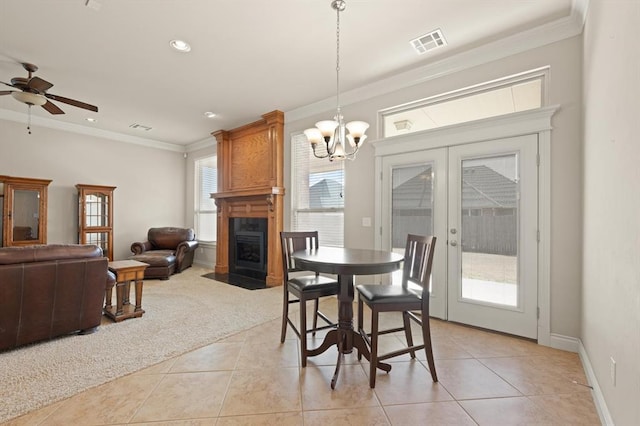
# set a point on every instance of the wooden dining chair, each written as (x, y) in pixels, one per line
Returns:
(304, 288)
(411, 298)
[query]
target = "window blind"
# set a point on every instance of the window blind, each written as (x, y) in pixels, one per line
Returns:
(207, 183)
(318, 194)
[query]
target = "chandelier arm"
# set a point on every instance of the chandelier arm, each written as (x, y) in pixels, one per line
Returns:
(316, 155)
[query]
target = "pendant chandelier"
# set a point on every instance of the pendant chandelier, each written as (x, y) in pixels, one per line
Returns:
(334, 132)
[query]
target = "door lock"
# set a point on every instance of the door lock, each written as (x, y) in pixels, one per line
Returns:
(453, 231)
(453, 243)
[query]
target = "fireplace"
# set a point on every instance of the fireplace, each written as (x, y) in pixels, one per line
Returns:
(248, 247)
(250, 187)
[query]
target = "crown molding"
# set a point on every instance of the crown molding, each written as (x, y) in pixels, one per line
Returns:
(207, 142)
(560, 29)
(542, 35)
(19, 117)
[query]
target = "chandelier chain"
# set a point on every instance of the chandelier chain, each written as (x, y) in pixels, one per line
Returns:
(338, 58)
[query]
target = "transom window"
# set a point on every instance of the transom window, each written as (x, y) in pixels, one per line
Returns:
(512, 94)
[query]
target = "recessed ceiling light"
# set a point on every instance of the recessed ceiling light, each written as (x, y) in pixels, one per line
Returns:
(180, 46)
(209, 114)
(91, 119)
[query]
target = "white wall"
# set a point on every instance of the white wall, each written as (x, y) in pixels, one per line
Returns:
(611, 249)
(150, 182)
(564, 89)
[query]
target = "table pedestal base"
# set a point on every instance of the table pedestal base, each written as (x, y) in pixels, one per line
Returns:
(345, 337)
(346, 263)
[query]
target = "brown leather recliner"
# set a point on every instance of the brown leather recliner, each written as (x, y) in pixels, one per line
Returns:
(167, 251)
(50, 290)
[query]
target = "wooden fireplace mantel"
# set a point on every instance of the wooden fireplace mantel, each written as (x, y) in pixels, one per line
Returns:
(251, 184)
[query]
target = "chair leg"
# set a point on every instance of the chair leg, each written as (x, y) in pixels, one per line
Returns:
(303, 332)
(315, 316)
(426, 335)
(360, 323)
(285, 315)
(374, 348)
(407, 332)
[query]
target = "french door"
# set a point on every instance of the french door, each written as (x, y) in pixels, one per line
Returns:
(480, 201)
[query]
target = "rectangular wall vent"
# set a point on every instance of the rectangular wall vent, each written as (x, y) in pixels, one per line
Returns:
(428, 42)
(140, 127)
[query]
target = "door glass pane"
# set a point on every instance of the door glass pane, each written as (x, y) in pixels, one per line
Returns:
(26, 215)
(411, 206)
(489, 234)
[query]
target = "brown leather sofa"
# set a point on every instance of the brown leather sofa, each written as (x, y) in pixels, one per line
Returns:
(167, 251)
(50, 290)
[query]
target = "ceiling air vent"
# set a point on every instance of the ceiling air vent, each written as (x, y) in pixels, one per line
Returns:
(428, 42)
(140, 127)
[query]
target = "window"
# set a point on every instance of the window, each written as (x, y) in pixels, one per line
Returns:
(317, 199)
(504, 96)
(206, 179)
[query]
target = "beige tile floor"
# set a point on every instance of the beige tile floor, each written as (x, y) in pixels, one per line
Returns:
(252, 379)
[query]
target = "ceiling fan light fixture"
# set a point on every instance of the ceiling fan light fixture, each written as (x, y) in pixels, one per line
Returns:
(180, 45)
(29, 98)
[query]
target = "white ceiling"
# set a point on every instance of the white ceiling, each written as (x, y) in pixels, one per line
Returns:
(248, 57)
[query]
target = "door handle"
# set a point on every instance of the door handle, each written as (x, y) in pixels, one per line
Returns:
(453, 243)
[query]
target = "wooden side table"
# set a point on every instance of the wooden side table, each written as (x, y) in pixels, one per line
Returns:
(125, 272)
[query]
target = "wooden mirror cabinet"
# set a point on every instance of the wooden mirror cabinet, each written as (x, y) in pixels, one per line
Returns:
(23, 207)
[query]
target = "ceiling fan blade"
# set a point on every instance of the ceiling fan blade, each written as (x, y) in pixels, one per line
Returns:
(52, 108)
(5, 92)
(72, 102)
(39, 85)
(7, 84)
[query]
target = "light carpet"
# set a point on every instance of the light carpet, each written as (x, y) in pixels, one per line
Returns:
(181, 314)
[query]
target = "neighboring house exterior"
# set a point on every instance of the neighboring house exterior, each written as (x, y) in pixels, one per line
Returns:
(489, 203)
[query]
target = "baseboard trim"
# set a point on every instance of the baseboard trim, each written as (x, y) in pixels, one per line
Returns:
(565, 343)
(202, 264)
(598, 398)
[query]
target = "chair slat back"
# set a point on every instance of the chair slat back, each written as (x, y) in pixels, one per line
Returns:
(294, 241)
(418, 258)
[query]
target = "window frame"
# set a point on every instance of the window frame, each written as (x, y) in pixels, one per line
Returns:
(299, 142)
(198, 211)
(541, 73)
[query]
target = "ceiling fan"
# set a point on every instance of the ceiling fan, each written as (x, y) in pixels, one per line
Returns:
(33, 91)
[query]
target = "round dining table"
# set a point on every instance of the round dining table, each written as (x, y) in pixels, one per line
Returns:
(346, 263)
